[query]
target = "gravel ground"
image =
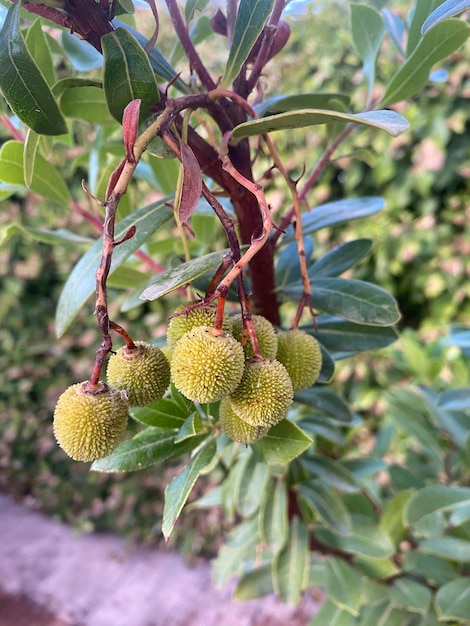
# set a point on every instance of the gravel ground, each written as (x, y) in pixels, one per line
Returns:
(51, 577)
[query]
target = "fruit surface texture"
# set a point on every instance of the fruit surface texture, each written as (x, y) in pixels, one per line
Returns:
(300, 354)
(90, 423)
(142, 372)
(235, 428)
(265, 333)
(207, 365)
(202, 316)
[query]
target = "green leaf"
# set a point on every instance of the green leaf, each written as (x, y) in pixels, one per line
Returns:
(283, 443)
(421, 9)
(181, 275)
(291, 564)
(178, 490)
(251, 17)
(253, 485)
(392, 518)
(337, 212)
(450, 548)
(190, 427)
(22, 83)
(365, 539)
(45, 179)
(435, 498)
(59, 236)
(255, 583)
(410, 595)
(86, 103)
(350, 299)
(391, 122)
(340, 336)
(128, 74)
(148, 447)
(333, 615)
(368, 30)
(453, 600)
(436, 45)
(39, 50)
(162, 414)
(343, 585)
(454, 399)
(333, 473)
(273, 518)
(82, 56)
(29, 156)
(326, 402)
(81, 282)
(291, 102)
(449, 8)
(340, 258)
(325, 503)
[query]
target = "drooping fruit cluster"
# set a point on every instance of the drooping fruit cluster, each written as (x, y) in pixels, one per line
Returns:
(89, 422)
(143, 372)
(300, 354)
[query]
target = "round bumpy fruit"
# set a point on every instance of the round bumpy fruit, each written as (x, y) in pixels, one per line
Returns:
(203, 316)
(142, 372)
(264, 394)
(90, 422)
(207, 364)
(236, 428)
(265, 333)
(300, 354)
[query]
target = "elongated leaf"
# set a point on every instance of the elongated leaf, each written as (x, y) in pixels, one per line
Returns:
(410, 595)
(350, 299)
(333, 615)
(283, 443)
(273, 516)
(148, 447)
(455, 399)
(291, 102)
(453, 600)
(127, 73)
(346, 337)
(45, 178)
(391, 122)
(181, 275)
(421, 10)
(366, 539)
(192, 184)
(191, 426)
(436, 45)
(392, 520)
(162, 414)
(340, 259)
(325, 401)
(251, 17)
(450, 548)
(37, 45)
(60, 235)
(22, 82)
(333, 473)
(288, 267)
(449, 8)
(368, 30)
(255, 583)
(82, 56)
(396, 29)
(291, 564)
(85, 103)
(178, 490)
(435, 498)
(253, 486)
(81, 282)
(343, 585)
(29, 156)
(327, 506)
(337, 212)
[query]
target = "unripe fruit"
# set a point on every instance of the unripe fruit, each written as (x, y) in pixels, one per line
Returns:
(203, 316)
(142, 372)
(90, 423)
(207, 364)
(264, 394)
(236, 428)
(265, 333)
(300, 354)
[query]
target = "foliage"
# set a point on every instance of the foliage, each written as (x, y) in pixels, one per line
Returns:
(362, 487)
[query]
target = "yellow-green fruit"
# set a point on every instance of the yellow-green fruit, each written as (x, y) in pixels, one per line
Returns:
(203, 316)
(207, 364)
(142, 372)
(264, 394)
(265, 333)
(90, 423)
(168, 352)
(236, 428)
(300, 354)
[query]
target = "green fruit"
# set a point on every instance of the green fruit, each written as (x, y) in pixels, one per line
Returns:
(203, 316)
(264, 394)
(142, 372)
(90, 423)
(207, 364)
(300, 354)
(265, 333)
(236, 428)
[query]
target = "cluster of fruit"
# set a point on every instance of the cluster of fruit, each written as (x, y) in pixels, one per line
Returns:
(205, 365)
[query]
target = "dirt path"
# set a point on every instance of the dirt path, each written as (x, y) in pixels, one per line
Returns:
(53, 578)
